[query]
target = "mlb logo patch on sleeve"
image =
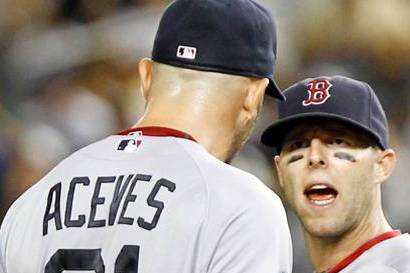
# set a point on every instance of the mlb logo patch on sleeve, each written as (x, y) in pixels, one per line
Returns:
(129, 145)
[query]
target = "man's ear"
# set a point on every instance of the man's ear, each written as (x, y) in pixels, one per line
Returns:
(278, 170)
(145, 70)
(385, 164)
(254, 97)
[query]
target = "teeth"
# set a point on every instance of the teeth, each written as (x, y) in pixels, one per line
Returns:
(322, 202)
(318, 187)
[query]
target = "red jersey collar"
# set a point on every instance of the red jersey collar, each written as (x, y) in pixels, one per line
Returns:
(349, 259)
(158, 131)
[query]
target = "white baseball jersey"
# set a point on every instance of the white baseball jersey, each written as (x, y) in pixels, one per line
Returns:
(387, 253)
(151, 201)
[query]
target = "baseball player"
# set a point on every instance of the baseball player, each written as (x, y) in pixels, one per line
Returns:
(159, 197)
(333, 155)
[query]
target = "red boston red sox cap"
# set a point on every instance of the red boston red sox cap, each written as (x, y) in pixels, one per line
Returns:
(227, 36)
(334, 98)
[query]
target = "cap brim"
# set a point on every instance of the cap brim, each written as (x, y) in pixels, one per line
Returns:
(274, 90)
(273, 136)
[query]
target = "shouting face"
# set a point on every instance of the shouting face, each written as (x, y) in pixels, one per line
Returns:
(327, 172)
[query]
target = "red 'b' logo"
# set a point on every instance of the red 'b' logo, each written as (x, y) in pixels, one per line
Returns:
(318, 92)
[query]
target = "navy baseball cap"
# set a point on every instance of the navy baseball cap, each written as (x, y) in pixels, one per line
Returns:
(333, 98)
(227, 36)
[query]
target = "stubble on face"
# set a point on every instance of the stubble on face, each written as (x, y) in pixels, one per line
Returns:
(239, 140)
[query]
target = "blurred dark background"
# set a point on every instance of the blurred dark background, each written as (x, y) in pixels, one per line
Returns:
(68, 77)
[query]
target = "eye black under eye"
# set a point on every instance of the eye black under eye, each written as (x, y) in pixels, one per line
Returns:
(295, 158)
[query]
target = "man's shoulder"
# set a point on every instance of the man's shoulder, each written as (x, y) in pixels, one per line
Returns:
(398, 246)
(224, 177)
(212, 168)
(243, 192)
(393, 253)
(400, 253)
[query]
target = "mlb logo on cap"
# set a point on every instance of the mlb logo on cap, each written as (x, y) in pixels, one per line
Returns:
(186, 52)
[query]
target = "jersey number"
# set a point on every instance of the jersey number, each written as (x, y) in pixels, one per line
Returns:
(90, 259)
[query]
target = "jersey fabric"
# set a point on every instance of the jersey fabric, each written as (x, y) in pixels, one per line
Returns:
(388, 252)
(153, 201)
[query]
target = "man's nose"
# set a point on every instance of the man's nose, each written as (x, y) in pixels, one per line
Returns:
(317, 155)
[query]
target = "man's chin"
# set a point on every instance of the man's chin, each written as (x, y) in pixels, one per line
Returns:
(323, 228)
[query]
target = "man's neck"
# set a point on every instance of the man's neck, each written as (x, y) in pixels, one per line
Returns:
(214, 138)
(327, 252)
